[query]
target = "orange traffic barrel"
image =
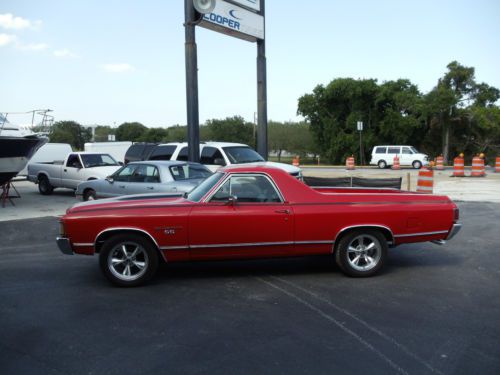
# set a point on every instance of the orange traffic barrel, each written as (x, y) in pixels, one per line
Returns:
(458, 167)
(425, 181)
(395, 163)
(440, 163)
(349, 163)
(295, 161)
(497, 164)
(477, 167)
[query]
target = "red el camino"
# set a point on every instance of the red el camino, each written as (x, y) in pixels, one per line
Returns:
(253, 212)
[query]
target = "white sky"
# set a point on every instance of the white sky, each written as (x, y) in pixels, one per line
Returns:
(112, 61)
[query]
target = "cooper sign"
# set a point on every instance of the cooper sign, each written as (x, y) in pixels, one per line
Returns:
(236, 21)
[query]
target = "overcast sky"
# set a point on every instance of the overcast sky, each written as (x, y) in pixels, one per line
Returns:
(111, 61)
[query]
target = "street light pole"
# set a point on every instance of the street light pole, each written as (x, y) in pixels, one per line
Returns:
(360, 129)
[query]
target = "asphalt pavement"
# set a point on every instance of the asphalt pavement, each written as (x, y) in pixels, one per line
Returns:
(434, 309)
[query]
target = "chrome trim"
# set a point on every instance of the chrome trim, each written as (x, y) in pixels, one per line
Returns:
(83, 244)
(364, 226)
(454, 230)
(126, 228)
(313, 242)
(174, 247)
(420, 234)
(242, 244)
(64, 245)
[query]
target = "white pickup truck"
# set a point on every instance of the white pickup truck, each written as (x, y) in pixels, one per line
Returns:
(77, 167)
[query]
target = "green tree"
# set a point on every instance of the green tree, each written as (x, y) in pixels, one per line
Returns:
(157, 135)
(177, 133)
(101, 133)
(230, 129)
(70, 132)
(130, 131)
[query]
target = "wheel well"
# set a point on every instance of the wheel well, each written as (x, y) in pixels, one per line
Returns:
(103, 236)
(386, 232)
(42, 175)
(91, 178)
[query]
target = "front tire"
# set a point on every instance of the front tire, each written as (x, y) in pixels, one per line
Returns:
(417, 164)
(128, 260)
(89, 195)
(44, 186)
(382, 164)
(361, 253)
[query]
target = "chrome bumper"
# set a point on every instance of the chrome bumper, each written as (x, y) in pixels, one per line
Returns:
(454, 230)
(64, 245)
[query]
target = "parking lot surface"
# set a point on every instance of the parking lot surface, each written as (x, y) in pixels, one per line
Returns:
(434, 309)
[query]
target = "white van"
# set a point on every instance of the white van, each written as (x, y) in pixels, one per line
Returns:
(383, 156)
(47, 154)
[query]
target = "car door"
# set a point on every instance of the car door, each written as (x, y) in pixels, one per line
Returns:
(406, 156)
(391, 152)
(144, 179)
(72, 171)
(120, 181)
(245, 217)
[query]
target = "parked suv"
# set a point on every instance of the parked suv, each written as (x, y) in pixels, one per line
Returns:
(139, 151)
(383, 156)
(218, 154)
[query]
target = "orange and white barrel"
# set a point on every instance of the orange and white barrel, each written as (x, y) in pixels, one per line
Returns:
(349, 163)
(477, 167)
(497, 164)
(440, 163)
(458, 167)
(395, 163)
(425, 182)
(295, 161)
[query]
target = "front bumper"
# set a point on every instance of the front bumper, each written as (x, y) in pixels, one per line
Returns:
(64, 245)
(454, 230)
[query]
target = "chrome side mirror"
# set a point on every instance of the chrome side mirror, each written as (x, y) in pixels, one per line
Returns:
(110, 179)
(232, 200)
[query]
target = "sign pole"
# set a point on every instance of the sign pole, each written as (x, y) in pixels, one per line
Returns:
(360, 129)
(262, 92)
(193, 120)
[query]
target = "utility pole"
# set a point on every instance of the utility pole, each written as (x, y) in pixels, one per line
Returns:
(262, 92)
(193, 117)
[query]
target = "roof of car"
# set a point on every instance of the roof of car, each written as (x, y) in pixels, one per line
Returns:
(167, 163)
(208, 143)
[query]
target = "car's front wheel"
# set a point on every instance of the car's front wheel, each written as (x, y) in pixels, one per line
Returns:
(382, 164)
(89, 195)
(361, 253)
(417, 164)
(128, 260)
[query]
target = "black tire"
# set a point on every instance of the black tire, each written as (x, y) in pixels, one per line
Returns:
(89, 195)
(354, 257)
(116, 271)
(382, 164)
(44, 186)
(416, 164)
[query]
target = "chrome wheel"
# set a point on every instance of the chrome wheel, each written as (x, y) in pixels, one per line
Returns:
(128, 261)
(364, 252)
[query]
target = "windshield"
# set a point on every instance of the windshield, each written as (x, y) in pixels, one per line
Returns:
(242, 154)
(98, 160)
(199, 191)
(189, 172)
(414, 150)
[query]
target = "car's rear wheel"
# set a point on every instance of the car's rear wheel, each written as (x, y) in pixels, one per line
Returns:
(382, 164)
(417, 164)
(44, 186)
(89, 195)
(361, 253)
(128, 260)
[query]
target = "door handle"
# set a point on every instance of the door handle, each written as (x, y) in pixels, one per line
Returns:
(122, 186)
(282, 211)
(149, 187)
(65, 170)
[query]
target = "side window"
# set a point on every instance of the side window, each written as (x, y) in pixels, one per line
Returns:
(124, 174)
(162, 153)
(74, 161)
(380, 150)
(152, 174)
(394, 150)
(255, 189)
(183, 154)
(145, 173)
(211, 156)
(406, 150)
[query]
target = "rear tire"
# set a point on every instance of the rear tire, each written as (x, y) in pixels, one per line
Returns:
(382, 164)
(361, 253)
(44, 186)
(89, 195)
(128, 260)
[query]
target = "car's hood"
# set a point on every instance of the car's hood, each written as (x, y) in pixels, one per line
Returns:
(130, 201)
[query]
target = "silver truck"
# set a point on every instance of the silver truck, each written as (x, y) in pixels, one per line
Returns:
(77, 167)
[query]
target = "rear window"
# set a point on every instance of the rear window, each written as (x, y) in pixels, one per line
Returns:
(211, 156)
(380, 150)
(393, 150)
(134, 151)
(162, 152)
(183, 154)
